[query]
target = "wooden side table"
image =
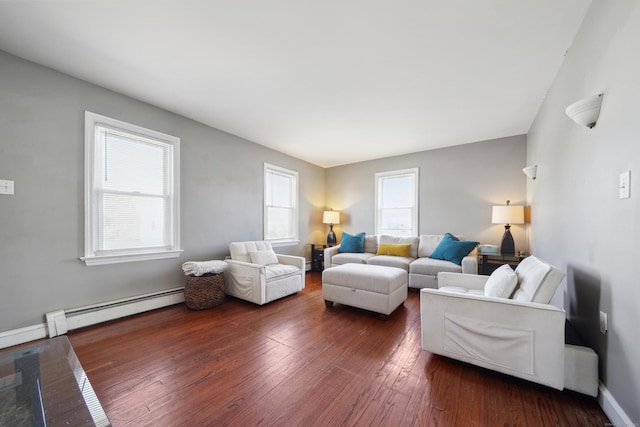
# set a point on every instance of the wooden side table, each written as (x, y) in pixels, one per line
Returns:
(317, 257)
(487, 263)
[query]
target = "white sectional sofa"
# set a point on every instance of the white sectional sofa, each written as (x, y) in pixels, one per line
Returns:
(422, 270)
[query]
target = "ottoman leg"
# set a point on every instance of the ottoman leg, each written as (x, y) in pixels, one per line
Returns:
(329, 304)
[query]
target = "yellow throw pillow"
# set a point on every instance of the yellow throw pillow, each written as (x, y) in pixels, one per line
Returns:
(395, 250)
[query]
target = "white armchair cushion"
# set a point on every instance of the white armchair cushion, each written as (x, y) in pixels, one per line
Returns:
(501, 283)
(280, 270)
(263, 257)
(240, 250)
(537, 281)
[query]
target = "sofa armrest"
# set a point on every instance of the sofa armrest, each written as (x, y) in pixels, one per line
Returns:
(470, 262)
(461, 280)
(328, 253)
(522, 339)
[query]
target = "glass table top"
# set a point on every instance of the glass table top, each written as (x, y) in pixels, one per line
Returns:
(43, 384)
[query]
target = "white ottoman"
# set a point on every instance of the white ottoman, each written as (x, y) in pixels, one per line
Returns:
(371, 287)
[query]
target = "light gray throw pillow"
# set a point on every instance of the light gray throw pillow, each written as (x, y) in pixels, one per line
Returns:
(501, 283)
(263, 257)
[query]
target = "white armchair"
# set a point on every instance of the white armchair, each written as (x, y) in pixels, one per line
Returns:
(520, 335)
(257, 274)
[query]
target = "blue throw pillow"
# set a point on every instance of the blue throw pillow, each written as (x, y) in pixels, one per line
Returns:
(352, 243)
(453, 249)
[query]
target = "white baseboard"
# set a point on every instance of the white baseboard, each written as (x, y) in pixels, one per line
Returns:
(612, 409)
(92, 315)
(23, 335)
(60, 321)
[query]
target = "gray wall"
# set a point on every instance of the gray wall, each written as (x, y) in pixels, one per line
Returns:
(42, 225)
(458, 187)
(578, 221)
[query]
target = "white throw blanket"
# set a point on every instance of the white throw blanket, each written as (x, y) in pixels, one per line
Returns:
(198, 268)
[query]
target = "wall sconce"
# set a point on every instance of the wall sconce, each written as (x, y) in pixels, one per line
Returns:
(531, 171)
(585, 112)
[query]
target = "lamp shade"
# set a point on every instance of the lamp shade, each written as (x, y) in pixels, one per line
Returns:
(508, 215)
(531, 171)
(331, 217)
(586, 111)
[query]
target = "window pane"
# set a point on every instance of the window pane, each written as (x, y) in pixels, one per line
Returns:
(280, 223)
(396, 219)
(280, 190)
(397, 192)
(132, 165)
(132, 221)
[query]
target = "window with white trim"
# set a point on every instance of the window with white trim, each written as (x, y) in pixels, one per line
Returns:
(132, 185)
(397, 202)
(280, 205)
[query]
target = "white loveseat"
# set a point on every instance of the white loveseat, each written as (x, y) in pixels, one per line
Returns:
(421, 269)
(257, 274)
(520, 335)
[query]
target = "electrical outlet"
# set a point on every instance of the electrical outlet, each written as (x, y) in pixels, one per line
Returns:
(603, 322)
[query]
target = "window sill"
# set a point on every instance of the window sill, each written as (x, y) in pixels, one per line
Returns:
(115, 259)
(282, 243)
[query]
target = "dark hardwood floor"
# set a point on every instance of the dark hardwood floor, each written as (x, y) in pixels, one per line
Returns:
(294, 362)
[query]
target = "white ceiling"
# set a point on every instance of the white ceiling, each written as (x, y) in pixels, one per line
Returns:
(330, 82)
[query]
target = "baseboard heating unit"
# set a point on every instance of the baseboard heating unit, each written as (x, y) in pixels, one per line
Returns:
(61, 321)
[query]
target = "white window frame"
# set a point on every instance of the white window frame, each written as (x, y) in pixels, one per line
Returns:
(380, 177)
(94, 255)
(293, 175)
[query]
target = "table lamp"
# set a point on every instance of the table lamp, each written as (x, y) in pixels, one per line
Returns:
(331, 217)
(507, 215)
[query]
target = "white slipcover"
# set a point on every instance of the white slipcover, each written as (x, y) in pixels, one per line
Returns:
(261, 284)
(523, 337)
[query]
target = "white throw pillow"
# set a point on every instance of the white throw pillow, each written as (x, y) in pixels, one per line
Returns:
(263, 257)
(501, 283)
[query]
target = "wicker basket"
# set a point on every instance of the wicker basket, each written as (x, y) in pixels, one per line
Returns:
(204, 292)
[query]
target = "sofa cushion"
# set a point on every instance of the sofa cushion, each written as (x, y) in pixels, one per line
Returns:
(429, 242)
(263, 257)
(431, 267)
(537, 280)
(501, 283)
(452, 249)
(350, 258)
(371, 243)
(391, 261)
(394, 250)
(413, 241)
(352, 243)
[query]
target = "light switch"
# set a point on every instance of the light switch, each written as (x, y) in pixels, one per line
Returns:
(6, 187)
(625, 182)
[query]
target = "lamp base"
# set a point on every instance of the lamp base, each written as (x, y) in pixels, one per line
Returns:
(331, 238)
(507, 247)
